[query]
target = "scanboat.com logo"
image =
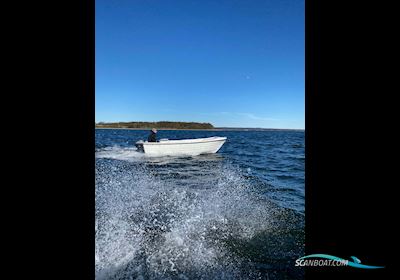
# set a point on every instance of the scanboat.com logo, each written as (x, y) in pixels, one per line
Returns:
(328, 260)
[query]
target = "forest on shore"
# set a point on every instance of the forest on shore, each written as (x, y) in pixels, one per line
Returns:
(158, 125)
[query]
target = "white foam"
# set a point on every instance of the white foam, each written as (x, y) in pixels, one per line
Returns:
(146, 227)
(120, 153)
(131, 154)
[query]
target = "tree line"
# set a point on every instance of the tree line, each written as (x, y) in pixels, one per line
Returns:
(161, 124)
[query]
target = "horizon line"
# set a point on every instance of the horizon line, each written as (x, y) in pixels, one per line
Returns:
(214, 127)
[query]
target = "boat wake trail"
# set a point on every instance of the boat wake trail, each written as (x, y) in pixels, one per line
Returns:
(150, 228)
(121, 153)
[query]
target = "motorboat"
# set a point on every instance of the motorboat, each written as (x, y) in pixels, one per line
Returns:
(184, 147)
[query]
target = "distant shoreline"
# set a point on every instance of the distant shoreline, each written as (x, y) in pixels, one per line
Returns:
(209, 129)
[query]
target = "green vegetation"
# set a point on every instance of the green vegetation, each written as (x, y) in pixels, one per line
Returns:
(158, 125)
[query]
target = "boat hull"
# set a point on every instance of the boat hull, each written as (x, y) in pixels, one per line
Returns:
(186, 147)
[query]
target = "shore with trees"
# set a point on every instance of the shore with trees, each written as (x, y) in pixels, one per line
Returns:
(157, 125)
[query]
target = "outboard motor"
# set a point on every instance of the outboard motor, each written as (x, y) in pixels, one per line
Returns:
(139, 146)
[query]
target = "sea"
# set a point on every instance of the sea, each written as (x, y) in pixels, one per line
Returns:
(236, 214)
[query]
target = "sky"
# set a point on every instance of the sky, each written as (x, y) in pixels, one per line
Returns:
(231, 63)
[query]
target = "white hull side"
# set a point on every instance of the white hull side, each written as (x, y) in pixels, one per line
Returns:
(184, 147)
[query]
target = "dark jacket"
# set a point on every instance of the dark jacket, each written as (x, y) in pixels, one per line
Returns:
(152, 137)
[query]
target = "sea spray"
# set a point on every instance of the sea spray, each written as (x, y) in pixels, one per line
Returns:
(151, 228)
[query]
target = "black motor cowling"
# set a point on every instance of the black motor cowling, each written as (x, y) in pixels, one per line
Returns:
(139, 146)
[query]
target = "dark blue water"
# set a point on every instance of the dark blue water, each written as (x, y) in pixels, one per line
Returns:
(237, 214)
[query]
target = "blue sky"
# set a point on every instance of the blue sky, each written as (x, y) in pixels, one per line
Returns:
(232, 63)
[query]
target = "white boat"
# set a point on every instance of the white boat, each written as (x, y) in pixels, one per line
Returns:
(185, 147)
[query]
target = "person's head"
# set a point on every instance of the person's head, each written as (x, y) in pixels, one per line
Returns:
(154, 130)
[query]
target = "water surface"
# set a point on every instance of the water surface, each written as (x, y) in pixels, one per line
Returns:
(237, 214)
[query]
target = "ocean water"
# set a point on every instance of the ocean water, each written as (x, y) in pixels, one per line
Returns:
(237, 214)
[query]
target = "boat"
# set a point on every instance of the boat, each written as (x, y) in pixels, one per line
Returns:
(184, 147)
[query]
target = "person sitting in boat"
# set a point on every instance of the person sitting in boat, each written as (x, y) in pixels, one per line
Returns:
(152, 137)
